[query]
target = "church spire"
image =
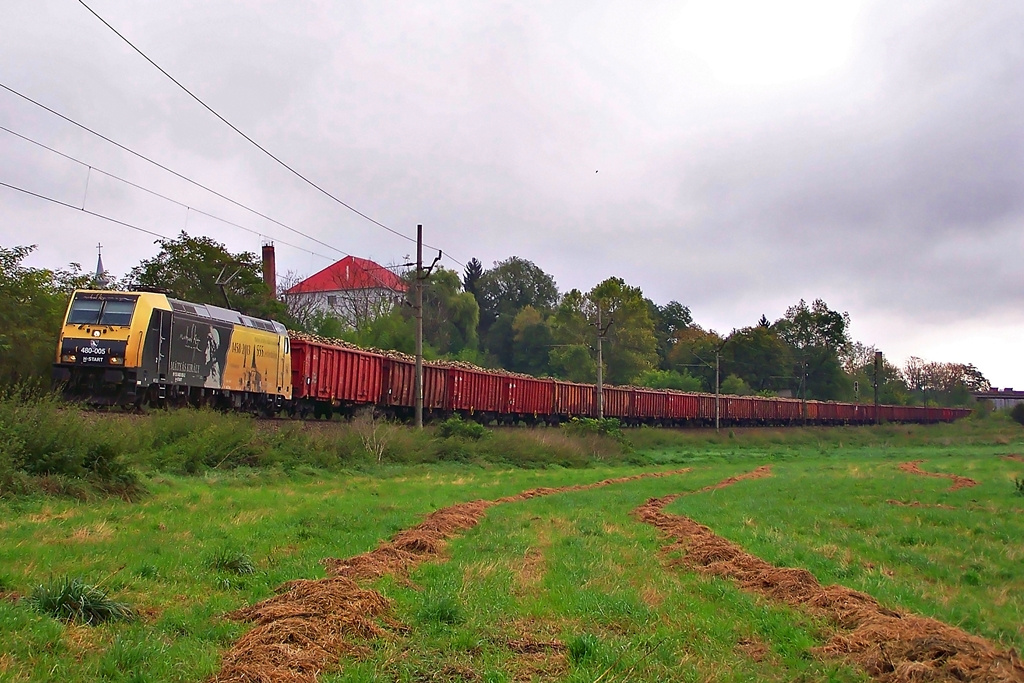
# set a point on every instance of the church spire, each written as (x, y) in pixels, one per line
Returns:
(100, 280)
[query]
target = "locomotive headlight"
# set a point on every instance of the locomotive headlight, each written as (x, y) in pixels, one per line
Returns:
(68, 358)
(95, 333)
(114, 360)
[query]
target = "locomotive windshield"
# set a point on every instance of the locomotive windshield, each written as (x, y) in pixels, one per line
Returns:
(101, 309)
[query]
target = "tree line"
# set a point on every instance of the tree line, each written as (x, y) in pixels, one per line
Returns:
(512, 316)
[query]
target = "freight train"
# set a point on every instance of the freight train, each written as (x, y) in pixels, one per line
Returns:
(145, 348)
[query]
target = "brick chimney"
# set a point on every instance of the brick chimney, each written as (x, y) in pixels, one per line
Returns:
(270, 268)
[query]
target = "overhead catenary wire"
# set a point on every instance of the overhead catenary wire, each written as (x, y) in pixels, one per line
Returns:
(162, 167)
(167, 169)
(84, 210)
(163, 196)
(251, 140)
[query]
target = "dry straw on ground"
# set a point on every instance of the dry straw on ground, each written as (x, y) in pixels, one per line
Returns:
(914, 467)
(309, 625)
(889, 645)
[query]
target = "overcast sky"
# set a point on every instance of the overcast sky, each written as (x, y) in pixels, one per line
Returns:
(733, 155)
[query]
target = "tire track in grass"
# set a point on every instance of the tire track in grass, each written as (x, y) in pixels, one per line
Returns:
(303, 630)
(889, 645)
(914, 467)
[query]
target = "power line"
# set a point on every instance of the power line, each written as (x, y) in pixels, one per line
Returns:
(165, 168)
(162, 196)
(249, 139)
(84, 210)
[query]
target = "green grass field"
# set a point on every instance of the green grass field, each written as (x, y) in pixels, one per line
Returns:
(564, 587)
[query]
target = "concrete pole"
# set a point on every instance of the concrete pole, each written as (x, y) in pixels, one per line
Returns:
(600, 367)
(718, 397)
(878, 371)
(418, 388)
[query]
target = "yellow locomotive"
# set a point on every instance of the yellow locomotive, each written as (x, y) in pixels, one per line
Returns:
(144, 347)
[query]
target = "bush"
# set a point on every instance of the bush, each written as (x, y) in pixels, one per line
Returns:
(456, 427)
(41, 437)
(73, 601)
(669, 379)
(584, 426)
(188, 441)
(1017, 413)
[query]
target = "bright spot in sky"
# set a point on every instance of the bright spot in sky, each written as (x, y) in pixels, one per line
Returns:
(757, 42)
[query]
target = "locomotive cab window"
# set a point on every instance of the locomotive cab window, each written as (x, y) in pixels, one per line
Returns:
(100, 309)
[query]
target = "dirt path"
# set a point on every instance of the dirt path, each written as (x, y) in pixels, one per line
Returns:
(1018, 458)
(913, 467)
(889, 645)
(306, 627)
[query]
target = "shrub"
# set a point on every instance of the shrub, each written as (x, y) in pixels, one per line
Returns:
(73, 601)
(583, 426)
(41, 437)
(1017, 413)
(456, 427)
(189, 441)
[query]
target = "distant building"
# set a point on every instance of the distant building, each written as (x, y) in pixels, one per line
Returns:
(1007, 398)
(354, 290)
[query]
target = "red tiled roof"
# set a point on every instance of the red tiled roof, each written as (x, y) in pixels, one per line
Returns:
(350, 273)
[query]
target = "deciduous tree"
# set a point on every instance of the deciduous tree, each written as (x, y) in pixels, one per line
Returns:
(632, 347)
(512, 285)
(32, 306)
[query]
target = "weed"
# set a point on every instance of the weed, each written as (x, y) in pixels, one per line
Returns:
(71, 600)
(441, 610)
(233, 562)
(1019, 483)
(374, 434)
(583, 647)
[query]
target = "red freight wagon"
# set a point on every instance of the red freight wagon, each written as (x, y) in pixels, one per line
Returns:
(761, 409)
(681, 406)
(334, 374)
(742, 408)
(616, 402)
(575, 400)
(706, 407)
(828, 412)
(472, 391)
(527, 396)
(399, 385)
(648, 404)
